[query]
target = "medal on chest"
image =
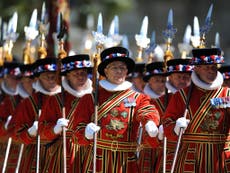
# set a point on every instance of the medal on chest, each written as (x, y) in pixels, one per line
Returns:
(129, 102)
(220, 102)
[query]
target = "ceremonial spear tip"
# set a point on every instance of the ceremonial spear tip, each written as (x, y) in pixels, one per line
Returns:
(196, 27)
(12, 26)
(209, 14)
(144, 27)
(100, 24)
(170, 19)
(187, 34)
(217, 40)
(33, 19)
(43, 12)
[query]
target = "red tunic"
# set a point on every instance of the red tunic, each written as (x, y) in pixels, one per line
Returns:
(160, 105)
(205, 143)
(47, 121)
(24, 117)
(151, 155)
(119, 122)
(7, 108)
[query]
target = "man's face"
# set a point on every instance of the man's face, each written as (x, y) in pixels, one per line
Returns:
(138, 82)
(180, 80)
(77, 78)
(12, 81)
(49, 80)
(157, 84)
(27, 82)
(207, 73)
(116, 72)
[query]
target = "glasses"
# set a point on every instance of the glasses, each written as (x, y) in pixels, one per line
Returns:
(115, 69)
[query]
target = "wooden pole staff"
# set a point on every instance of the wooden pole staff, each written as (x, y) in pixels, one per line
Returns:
(38, 143)
(95, 86)
(62, 54)
(100, 40)
(168, 34)
(19, 158)
(181, 129)
(42, 53)
(6, 155)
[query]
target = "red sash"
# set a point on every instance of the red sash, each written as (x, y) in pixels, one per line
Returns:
(201, 111)
(72, 110)
(34, 105)
(113, 101)
(160, 105)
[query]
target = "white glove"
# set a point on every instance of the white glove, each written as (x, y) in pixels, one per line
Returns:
(181, 123)
(90, 129)
(151, 128)
(61, 122)
(33, 130)
(7, 122)
(161, 132)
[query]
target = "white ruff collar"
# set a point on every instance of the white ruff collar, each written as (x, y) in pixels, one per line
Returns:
(170, 88)
(21, 91)
(217, 83)
(7, 90)
(38, 88)
(113, 87)
(150, 92)
(87, 90)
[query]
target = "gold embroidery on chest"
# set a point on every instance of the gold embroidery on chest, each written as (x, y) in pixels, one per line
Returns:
(115, 125)
(124, 114)
(114, 136)
(114, 112)
(211, 121)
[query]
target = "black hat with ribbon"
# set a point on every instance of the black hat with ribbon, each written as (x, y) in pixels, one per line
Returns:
(179, 66)
(12, 68)
(73, 62)
(27, 70)
(138, 70)
(154, 69)
(115, 54)
(48, 64)
(205, 56)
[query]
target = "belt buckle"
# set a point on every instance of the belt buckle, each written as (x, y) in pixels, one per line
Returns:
(114, 146)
